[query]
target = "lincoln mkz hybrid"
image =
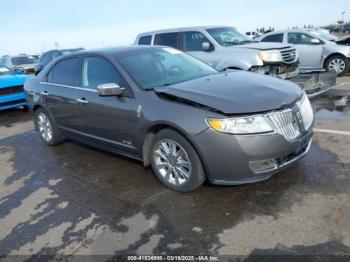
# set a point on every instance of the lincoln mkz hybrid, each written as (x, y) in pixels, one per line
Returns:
(180, 116)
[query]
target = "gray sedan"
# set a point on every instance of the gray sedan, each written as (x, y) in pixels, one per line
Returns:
(173, 112)
(316, 52)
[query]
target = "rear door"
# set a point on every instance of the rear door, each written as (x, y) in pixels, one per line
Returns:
(310, 55)
(110, 120)
(60, 90)
(168, 39)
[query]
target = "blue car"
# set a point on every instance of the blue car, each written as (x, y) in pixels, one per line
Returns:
(11, 88)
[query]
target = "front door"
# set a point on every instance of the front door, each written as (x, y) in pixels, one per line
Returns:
(192, 43)
(310, 54)
(111, 120)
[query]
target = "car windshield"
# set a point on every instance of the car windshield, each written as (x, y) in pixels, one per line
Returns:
(324, 35)
(228, 36)
(154, 68)
(22, 60)
(4, 71)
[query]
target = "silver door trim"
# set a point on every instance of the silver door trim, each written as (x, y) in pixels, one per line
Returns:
(68, 86)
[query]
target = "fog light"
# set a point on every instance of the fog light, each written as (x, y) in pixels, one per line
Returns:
(263, 165)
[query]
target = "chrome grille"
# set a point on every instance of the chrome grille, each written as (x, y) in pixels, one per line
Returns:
(290, 123)
(11, 90)
(289, 55)
(285, 123)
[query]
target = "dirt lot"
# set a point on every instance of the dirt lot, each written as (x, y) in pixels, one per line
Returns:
(72, 199)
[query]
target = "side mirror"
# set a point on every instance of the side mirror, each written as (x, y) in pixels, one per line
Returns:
(38, 68)
(315, 41)
(110, 89)
(206, 46)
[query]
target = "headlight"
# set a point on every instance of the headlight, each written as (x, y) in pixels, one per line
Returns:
(241, 125)
(270, 56)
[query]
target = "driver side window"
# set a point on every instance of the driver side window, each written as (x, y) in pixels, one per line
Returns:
(299, 39)
(193, 41)
(98, 71)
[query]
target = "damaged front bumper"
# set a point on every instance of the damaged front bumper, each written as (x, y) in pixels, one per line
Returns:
(281, 70)
(316, 84)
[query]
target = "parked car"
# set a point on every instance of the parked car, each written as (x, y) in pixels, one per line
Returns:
(315, 52)
(48, 56)
(343, 41)
(173, 112)
(11, 88)
(23, 62)
(253, 34)
(225, 48)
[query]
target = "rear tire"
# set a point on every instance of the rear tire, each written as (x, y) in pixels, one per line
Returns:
(338, 64)
(47, 128)
(175, 162)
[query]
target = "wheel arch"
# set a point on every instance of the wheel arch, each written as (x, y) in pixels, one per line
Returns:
(153, 130)
(331, 55)
(36, 107)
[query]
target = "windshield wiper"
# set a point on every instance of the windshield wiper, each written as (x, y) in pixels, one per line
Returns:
(227, 43)
(167, 84)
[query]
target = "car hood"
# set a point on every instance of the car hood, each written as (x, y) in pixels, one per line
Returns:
(264, 46)
(235, 93)
(12, 80)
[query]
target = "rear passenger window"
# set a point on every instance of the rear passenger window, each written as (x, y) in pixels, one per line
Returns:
(145, 40)
(167, 39)
(66, 72)
(98, 71)
(273, 38)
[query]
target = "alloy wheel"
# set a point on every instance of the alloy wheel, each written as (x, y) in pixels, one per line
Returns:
(337, 65)
(44, 127)
(172, 162)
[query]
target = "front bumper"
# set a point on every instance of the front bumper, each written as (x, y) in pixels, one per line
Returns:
(13, 101)
(227, 158)
(316, 83)
(281, 70)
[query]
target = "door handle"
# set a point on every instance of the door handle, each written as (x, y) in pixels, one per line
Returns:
(45, 93)
(82, 101)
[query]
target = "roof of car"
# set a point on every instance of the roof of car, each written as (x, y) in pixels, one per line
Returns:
(65, 49)
(189, 28)
(112, 50)
(288, 30)
(119, 49)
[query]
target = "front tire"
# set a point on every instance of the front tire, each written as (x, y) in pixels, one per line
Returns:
(337, 64)
(47, 128)
(175, 162)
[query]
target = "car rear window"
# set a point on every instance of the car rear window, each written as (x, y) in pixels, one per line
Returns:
(22, 60)
(278, 38)
(145, 40)
(66, 72)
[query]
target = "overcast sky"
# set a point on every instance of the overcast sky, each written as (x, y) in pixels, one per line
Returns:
(34, 26)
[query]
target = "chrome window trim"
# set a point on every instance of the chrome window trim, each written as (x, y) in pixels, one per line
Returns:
(68, 86)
